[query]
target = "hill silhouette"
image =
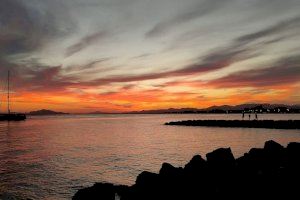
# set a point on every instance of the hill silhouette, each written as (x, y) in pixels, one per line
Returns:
(260, 108)
(46, 112)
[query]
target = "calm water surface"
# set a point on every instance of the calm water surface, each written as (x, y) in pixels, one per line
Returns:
(52, 157)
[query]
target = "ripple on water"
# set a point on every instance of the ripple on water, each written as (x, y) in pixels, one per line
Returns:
(53, 157)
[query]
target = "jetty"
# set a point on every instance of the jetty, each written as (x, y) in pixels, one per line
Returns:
(271, 124)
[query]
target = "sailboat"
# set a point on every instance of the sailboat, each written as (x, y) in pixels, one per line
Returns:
(11, 116)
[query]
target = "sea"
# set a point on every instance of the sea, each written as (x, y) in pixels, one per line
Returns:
(51, 157)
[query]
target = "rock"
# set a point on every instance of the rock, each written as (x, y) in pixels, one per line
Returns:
(273, 147)
(103, 191)
(147, 186)
(146, 179)
(253, 162)
(220, 172)
(122, 190)
(167, 170)
(171, 174)
(195, 165)
(274, 154)
(293, 154)
(294, 148)
(256, 155)
(220, 157)
(171, 180)
(269, 172)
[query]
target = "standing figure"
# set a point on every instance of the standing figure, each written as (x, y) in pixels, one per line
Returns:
(243, 116)
(249, 116)
(256, 116)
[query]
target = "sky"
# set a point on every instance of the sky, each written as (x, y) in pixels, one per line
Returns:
(123, 55)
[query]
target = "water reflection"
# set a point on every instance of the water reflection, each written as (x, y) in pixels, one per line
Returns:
(51, 157)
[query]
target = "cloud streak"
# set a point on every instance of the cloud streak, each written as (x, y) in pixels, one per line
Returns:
(86, 42)
(26, 28)
(292, 23)
(238, 50)
(285, 71)
(198, 10)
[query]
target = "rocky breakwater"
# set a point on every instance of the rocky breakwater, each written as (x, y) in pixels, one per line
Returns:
(269, 172)
(271, 124)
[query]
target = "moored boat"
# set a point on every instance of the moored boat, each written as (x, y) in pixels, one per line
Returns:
(11, 116)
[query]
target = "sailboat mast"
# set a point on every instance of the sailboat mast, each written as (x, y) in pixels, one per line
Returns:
(8, 106)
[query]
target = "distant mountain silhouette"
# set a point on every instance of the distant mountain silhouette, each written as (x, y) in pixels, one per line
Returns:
(98, 113)
(169, 110)
(260, 108)
(46, 112)
(251, 106)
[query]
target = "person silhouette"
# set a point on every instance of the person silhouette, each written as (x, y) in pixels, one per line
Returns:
(243, 116)
(249, 116)
(256, 117)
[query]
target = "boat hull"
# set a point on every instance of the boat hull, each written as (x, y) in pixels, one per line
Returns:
(12, 117)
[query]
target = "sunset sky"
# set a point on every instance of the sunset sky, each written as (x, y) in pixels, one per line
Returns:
(122, 55)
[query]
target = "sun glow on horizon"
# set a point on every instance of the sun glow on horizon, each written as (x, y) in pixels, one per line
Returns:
(137, 55)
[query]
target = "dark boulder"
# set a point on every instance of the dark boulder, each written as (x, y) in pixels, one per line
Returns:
(220, 173)
(102, 191)
(146, 179)
(274, 153)
(195, 165)
(147, 186)
(273, 147)
(253, 162)
(168, 170)
(221, 157)
(294, 148)
(171, 182)
(196, 172)
(293, 154)
(170, 173)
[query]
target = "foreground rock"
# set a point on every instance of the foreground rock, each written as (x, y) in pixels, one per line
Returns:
(269, 172)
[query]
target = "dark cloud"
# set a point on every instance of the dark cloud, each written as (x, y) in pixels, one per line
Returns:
(128, 87)
(198, 10)
(25, 28)
(102, 3)
(293, 23)
(88, 66)
(109, 93)
(85, 42)
(238, 50)
(142, 56)
(38, 78)
(215, 60)
(285, 71)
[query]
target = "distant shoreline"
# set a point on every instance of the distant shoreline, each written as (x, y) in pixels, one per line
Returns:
(158, 114)
(223, 109)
